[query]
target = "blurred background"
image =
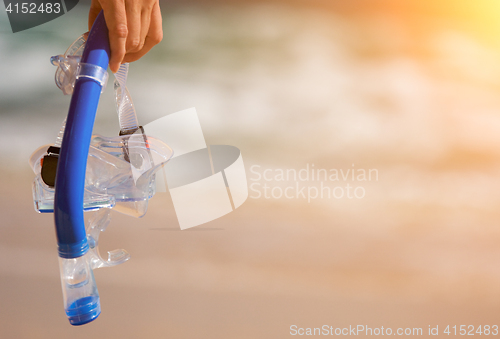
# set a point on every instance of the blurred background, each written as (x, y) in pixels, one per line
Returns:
(410, 88)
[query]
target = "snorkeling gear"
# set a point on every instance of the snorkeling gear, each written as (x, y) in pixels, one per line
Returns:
(85, 172)
(82, 172)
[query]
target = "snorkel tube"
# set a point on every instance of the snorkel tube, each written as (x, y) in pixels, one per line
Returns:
(81, 298)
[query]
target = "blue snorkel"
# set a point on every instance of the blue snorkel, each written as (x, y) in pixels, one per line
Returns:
(81, 299)
(70, 179)
(82, 172)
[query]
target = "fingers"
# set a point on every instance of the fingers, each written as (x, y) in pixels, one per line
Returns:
(145, 24)
(153, 37)
(95, 8)
(116, 20)
(135, 26)
(134, 41)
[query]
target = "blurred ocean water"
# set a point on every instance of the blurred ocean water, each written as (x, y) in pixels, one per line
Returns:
(315, 82)
(292, 86)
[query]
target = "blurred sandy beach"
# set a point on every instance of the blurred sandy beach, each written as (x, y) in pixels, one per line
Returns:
(412, 92)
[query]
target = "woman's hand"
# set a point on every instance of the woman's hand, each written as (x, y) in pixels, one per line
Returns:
(134, 28)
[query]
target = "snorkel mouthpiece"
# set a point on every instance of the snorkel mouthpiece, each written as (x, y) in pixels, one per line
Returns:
(81, 299)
